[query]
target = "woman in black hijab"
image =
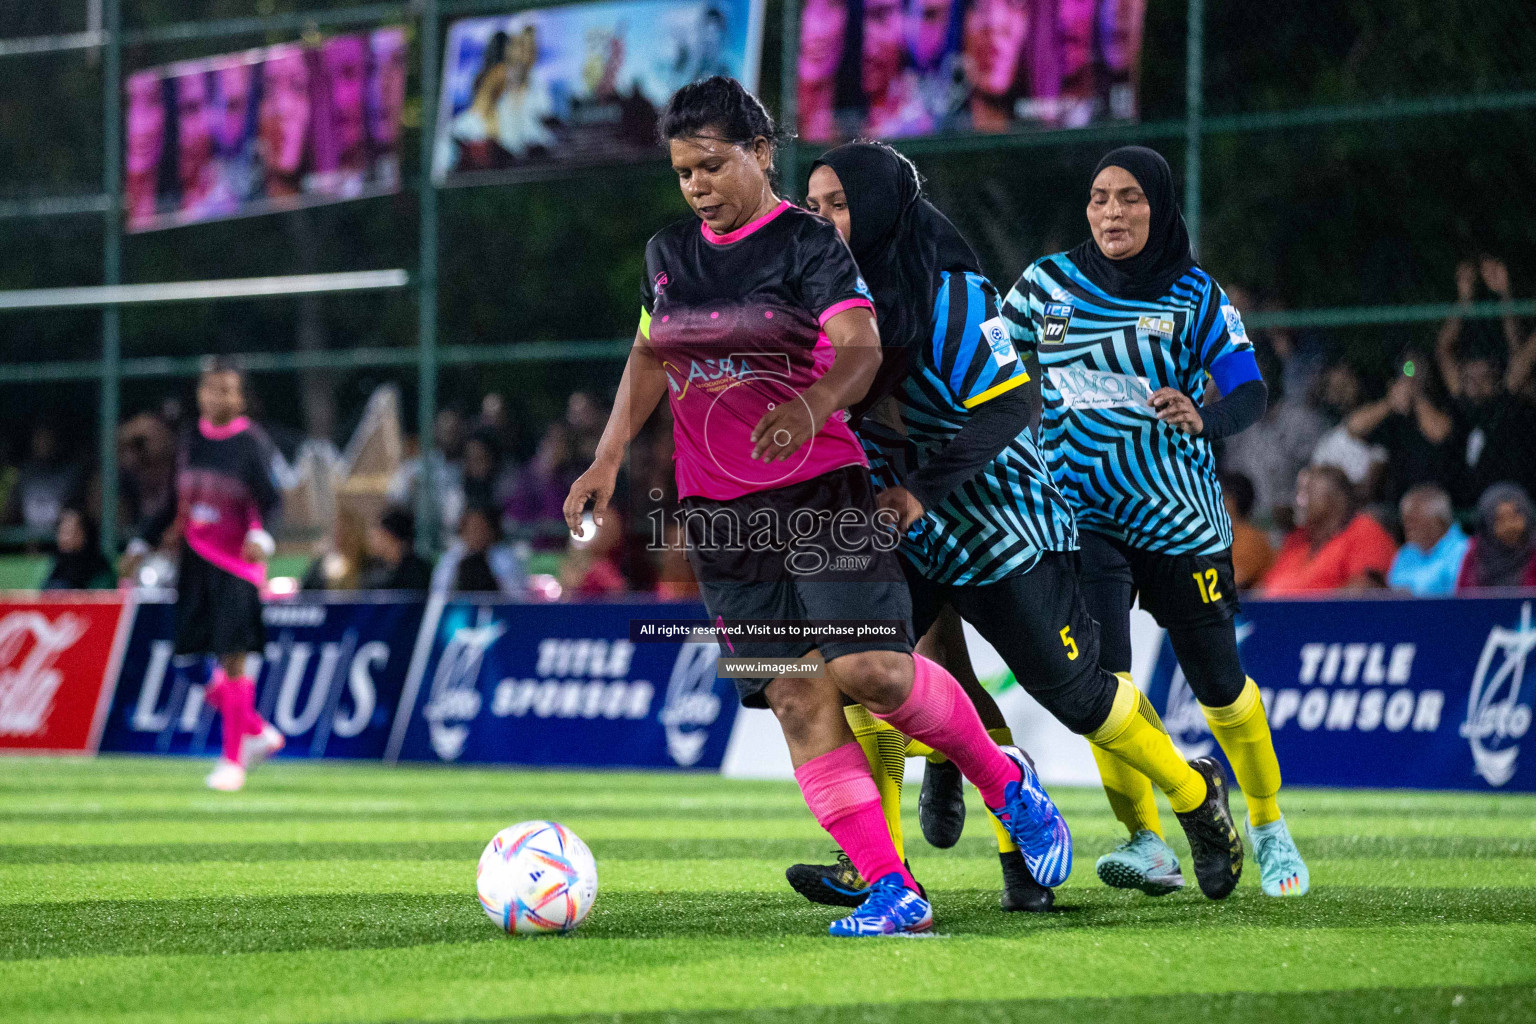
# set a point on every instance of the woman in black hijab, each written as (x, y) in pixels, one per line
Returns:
(946, 429)
(1129, 330)
(79, 564)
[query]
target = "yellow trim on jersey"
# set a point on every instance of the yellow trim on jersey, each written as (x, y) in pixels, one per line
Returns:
(997, 389)
(645, 323)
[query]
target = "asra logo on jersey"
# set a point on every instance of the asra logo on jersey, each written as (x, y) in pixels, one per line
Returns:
(716, 375)
(1058, 315)
(1496, 719)
(1158, 324)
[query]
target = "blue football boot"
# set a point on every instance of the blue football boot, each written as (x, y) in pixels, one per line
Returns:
(889, 909)
(1282, 872)
(1142, 862)
(1035, 825)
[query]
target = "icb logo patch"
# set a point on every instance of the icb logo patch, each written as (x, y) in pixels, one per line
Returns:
(1057, 316)
(1157, 324)
(996, 333)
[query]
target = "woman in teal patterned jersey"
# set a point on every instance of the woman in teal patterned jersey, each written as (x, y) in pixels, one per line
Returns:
(1128, 329)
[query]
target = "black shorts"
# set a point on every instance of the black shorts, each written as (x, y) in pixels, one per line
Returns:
(1180, 591)
(1041, 628)
(216, 612)
(785, 555)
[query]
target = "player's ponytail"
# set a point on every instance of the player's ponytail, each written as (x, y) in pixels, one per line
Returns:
(717, 108)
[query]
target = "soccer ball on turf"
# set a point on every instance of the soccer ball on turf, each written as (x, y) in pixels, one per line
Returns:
(536, 877)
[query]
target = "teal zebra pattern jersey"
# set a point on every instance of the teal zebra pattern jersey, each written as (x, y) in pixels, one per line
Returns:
(999, 522)
(1124, 472)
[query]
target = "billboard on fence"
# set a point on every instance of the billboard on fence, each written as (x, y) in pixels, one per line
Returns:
(579, 84)
(330, 678)
(263, 130)
(556, 685)
(892, 68)
(1422, 694)
(57, 655)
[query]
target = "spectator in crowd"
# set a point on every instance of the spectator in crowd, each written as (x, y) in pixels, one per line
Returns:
(79, 564)
(586, 417)
(537, 497)
(1409, 427)
(495, 420)
(478, 561)
(1503, 554)
(344, 562)
(46, 482)
(146, 458)
(591, 567)
(485, 481)
(1273, 453)
(1434, 545)
(1361, 462)
(395, 565)
(1252, 554)
(1334, 547)
(1485, 369)
(446, 473)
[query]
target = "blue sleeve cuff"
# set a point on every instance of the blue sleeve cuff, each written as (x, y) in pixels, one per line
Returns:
(1235, 368)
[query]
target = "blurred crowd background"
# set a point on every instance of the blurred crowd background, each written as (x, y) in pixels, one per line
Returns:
(1418, 480)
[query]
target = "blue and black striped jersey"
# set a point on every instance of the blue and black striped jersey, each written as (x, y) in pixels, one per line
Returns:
(1125, 473)
(1000, 521)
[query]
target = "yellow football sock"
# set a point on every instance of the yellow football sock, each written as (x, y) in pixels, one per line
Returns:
(1135, 735)
(1242, 729)
(1129, 791)
(916, 748)
(1004, 738)
(886, 750)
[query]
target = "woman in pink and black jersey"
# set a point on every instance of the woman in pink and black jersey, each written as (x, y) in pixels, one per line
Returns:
(224, 498)
(756, 326)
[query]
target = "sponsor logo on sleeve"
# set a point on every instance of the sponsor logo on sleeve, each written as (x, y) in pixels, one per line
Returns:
(996, 334)
(1234, 323)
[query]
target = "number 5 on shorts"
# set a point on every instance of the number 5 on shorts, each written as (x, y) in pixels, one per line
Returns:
(1069, 643)
(1206, 581)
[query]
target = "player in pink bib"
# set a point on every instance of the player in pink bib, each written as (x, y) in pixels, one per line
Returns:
(757, 327)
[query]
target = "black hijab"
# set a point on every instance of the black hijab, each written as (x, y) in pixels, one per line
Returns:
(1164, 259)
(902, 243)
(79, 570)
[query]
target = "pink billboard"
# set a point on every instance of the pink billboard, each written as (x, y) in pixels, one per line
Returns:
(264, 130)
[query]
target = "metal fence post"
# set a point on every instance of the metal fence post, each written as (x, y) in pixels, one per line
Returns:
(112, 267)
(789, 93)
(1194, 113)
(426, 287)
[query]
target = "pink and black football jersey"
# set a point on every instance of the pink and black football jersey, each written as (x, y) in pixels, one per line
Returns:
(736, 322)
(224, 489)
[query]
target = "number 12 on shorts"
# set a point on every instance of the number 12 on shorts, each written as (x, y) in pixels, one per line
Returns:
(1206, 580)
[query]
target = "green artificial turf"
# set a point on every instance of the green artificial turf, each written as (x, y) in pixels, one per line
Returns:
(346, 893)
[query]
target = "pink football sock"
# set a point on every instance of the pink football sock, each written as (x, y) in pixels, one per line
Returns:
(937, 712)
(235, 701)
(841, 793)
(243, 697)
